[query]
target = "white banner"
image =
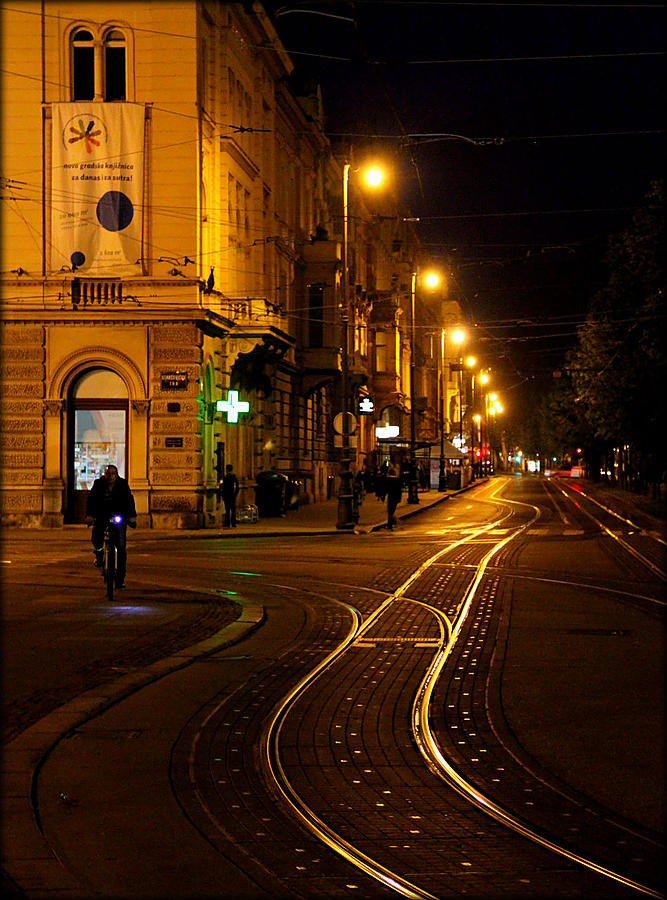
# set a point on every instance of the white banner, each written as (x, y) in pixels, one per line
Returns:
(96, 187)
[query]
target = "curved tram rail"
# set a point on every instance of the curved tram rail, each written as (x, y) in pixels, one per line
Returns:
(449, 630)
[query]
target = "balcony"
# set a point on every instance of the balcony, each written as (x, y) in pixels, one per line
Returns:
(96, 292)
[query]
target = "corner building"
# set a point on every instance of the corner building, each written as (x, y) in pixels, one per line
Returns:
(161, 187)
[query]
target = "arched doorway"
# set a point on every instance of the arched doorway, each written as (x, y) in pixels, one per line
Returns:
(96, 434)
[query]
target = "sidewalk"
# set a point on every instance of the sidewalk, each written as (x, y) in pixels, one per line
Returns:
(321, 518)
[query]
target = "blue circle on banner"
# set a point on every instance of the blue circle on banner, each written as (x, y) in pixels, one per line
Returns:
(77, 259)
(114, 211)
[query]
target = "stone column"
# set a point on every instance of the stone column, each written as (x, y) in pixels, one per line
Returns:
(54, 485)
(139, 460)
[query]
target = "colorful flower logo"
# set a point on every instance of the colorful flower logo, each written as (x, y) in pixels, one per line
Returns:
(88, 132)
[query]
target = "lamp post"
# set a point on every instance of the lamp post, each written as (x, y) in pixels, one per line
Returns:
(457, 336)
(431, 280)
(483, 417)
(413, 486)
(345, 490)
(460, 370)
(494, 407)
(345, 515)
(471, 362)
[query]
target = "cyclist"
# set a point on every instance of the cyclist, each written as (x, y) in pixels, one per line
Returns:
(110, 495)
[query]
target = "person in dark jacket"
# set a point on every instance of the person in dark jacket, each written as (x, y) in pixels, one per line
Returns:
(229, 490)
(381, 482)
(109, 496)
(393, 486)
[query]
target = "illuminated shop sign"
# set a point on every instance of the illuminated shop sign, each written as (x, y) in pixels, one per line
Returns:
(383, 432)
(233, 406)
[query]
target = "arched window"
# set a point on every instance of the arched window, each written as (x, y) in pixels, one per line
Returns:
(96, 433)
(99, 66)
(115, 58)
(83, 65)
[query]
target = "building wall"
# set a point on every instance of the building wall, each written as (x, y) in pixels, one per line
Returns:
(240, 206)
(227, 192)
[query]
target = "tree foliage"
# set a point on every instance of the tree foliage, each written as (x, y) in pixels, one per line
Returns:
(618, 367)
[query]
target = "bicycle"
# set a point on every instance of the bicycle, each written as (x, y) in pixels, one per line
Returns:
(110, 562)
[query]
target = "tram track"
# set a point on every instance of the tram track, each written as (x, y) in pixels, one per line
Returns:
(450, 625)
(597, 513)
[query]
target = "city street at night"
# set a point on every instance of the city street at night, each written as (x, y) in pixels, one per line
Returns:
(332, 489)
(468, 705)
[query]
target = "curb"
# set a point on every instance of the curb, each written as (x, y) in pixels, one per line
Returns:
(32, 863)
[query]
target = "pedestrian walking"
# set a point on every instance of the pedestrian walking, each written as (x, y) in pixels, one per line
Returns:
(381, 482)
(393, 488)
(230, 491)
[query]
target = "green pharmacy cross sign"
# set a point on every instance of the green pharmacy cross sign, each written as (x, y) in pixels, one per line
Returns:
(233, 406)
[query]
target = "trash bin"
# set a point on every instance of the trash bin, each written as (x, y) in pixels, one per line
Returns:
(270, 493)
(454, 480)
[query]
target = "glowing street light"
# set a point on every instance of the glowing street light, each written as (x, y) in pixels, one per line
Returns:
(471, 362)
(374, 176)
(345, 519)
(430, 279)
(457, 336)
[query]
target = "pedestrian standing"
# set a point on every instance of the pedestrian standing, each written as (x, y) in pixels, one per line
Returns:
(381, 482)
(230, 491)
(393, 487)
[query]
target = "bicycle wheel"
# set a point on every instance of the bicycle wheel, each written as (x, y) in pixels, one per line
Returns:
(110, 568)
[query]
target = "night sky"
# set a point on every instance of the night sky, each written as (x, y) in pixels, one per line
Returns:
(559, 109)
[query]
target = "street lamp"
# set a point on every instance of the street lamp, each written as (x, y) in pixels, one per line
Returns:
(493, 408)
(457, 337)
(345, 489)
(431, 279)
(483, 421)
(471, 362)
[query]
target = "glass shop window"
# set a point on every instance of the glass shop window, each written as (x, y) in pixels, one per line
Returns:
(99, 439)
(100, 406)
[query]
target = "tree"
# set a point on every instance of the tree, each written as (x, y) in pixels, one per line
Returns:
(618, 367)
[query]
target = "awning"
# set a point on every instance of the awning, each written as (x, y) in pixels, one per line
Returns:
(450, 451)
